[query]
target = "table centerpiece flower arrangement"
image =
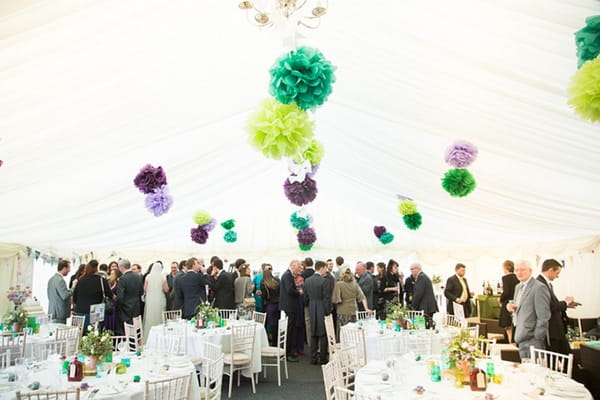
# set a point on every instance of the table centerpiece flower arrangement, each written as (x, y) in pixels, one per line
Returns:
(18, 294)
(16, 319)
(204, 313)
(95, 345)
(398, 313)
(463, 352)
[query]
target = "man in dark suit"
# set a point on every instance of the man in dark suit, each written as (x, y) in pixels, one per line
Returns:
(171, 284)
(318, 293)
(423, 297)
(288, 302)
(129, 292)
(177, 304)
(191, 289)
(223, 286)
(365, 281)
(457, 291)
(409, 287)
(557, 325)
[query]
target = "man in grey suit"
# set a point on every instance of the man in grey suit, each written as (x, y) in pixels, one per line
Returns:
(318, 292)
(531, 310)
(59, 304)
(129, 292)
(365, 281)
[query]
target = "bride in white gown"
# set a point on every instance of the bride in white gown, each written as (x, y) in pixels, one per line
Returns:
(155, 288)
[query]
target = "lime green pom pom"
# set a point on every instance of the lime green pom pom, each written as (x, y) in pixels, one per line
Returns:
(313, 153)
(413, 221)
(585, 90)
(280, 130)
(407, 207)
(307, 247)
(386, 238)
(230, 236)
(229, 224)
(458, 182)
(201, 217)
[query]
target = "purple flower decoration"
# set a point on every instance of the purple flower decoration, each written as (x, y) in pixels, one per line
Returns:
(300, 193)
(307, 236)
(313, 170)
(210, 225)
(158, 202)
(461, 154)
(379, 230)
(150, 178)
(199, 235)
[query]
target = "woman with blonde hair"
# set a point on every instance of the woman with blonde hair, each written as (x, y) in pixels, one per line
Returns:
(346, 294)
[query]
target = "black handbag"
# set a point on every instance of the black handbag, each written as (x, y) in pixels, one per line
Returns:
(108, 303)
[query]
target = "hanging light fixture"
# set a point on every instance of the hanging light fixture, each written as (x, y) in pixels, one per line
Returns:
(264, 13)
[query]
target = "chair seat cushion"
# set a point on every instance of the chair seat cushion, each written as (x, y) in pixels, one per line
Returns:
(272, 351)
(236, 358)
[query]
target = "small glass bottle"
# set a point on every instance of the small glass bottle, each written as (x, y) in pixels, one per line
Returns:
(478, 380)
(75, 370)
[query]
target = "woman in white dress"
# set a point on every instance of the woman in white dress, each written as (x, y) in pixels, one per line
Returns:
(155, 288)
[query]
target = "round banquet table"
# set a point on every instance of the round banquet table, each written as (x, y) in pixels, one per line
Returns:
(520, 382)
(110, 386)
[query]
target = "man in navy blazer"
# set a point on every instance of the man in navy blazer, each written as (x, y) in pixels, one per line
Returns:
(288, 302)
(223, 286)
(129, 293)
(191, 289)
(457, 291)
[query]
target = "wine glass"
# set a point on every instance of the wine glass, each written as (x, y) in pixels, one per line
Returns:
(121, 346)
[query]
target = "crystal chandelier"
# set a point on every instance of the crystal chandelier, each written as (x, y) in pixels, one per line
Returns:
(264, 13)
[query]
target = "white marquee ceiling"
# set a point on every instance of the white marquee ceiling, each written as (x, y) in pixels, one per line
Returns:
(93, 90)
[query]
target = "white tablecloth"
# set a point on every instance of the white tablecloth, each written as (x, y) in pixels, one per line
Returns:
(112, 386)
(519, 383)
(195, 340)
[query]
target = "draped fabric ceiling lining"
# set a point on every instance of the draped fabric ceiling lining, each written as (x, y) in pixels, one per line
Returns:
(94, 90)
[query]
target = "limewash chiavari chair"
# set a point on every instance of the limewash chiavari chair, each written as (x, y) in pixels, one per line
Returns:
(561, 363)
(273, 356)
(172, 315)
(259, 317)
(346, 394)
(71, 394)
(228, 314)
(71, 334)
(240, 357)
(175, 388)
(14, 344)
(332, 377)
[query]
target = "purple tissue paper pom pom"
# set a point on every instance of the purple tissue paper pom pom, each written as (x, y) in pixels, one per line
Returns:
(300, 193)
(379, 230)
(210, 225)
(307, 236)
(313, 170)
(199, 235)
(461, 154)
(158, 202)
(150, 178)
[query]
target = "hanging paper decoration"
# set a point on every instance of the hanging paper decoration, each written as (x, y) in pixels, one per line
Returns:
(205, 224)
(199, 235)
(313, 153)
(383, 235)
(302, 76)
(411, 217)
(229, 224)
(585, 90)
(300, 222)
(587, 40)
(458, 181)
(229, 236)
(201, 217)
(153, 182)
(306, 238)
(300, 193)
(280, 130)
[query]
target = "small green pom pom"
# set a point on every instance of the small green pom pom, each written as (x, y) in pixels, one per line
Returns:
(407, 207)
(299, 222)
(458, 182)
(201, 217)
(229, 224)
(306, 248)
(386, 238)
(413, 221)
(230, 236)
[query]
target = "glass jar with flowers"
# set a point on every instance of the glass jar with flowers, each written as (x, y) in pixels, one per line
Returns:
(463, 351)
(16, 319)
(398, 313)
(204, 313)
(95, 345)
(18, 294)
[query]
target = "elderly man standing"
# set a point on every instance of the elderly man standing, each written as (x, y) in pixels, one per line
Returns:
(423, 297)
(531, 310)
(288, 302)
(59, 305)
(365, 281)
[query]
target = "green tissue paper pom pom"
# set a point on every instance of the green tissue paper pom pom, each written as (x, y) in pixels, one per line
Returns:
(458, 182)
(407, 207)
(587, 40)
(306, 248)
(313, 153)
(585, 90)
(302, 76)
(201, 217)
(298, 222)
(413, 221)
(230, 236)
(280, 130)
(229, 224)
(386, 238)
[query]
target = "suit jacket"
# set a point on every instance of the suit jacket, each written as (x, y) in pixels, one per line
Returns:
(59, 305)
(366, 284)
(423, 297)
(224, 291)
(533, 312)
(316, 289)
(177, 302)
(557, 324)
(453, 291)
(509, 281)
(288, 294)
(192, 291)
(409, 287)
(307, 273)
(129, 292)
